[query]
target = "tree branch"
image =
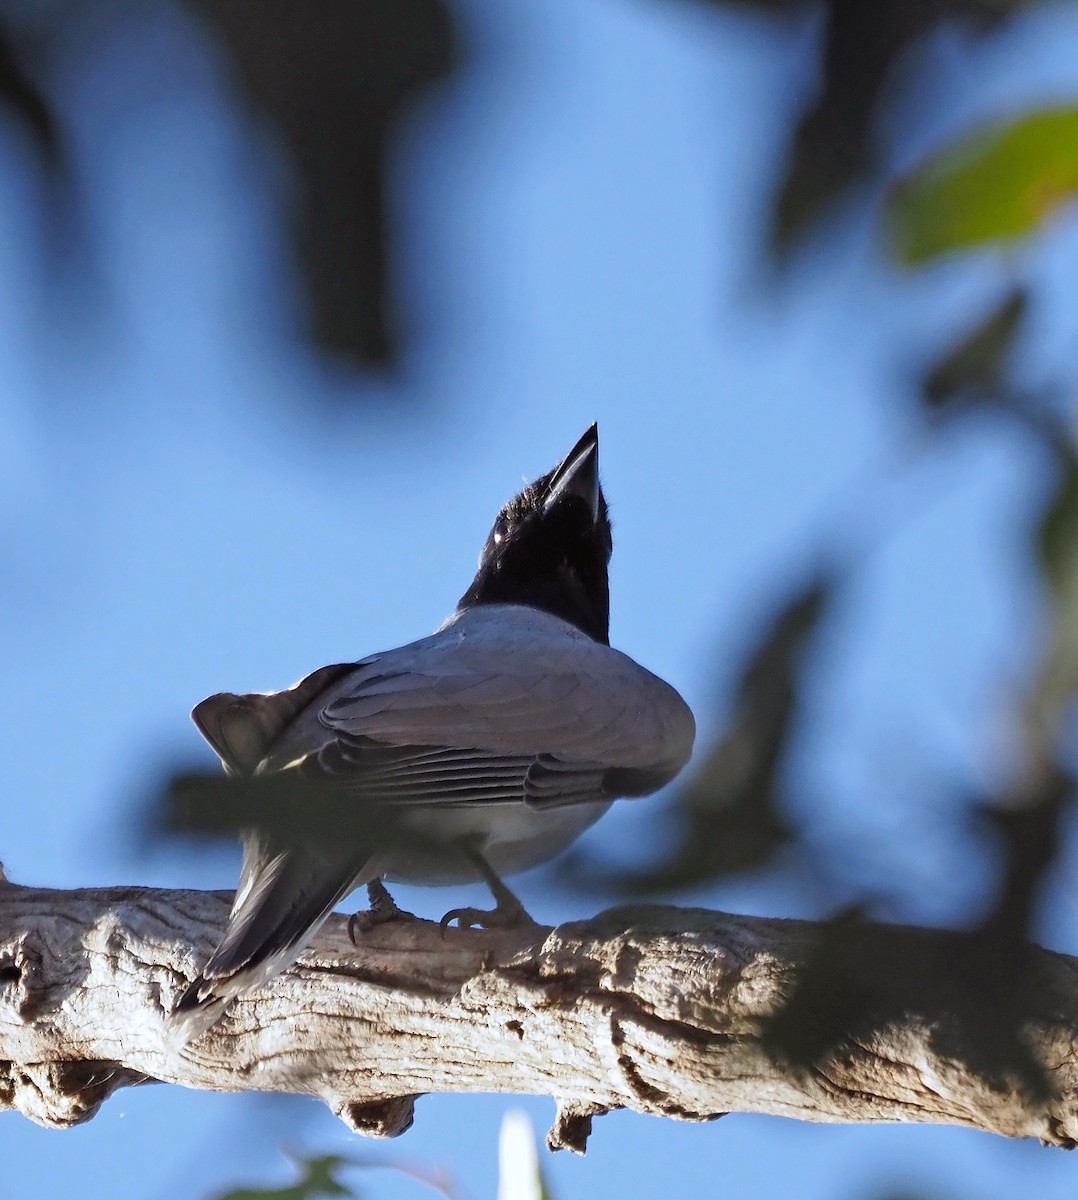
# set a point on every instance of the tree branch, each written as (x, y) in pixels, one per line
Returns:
(659, 1010)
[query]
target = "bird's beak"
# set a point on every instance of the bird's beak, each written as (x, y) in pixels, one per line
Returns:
(578, 474)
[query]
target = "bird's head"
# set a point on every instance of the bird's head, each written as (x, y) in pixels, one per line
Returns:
(550, 546)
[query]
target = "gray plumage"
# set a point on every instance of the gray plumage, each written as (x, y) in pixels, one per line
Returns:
(509, 731)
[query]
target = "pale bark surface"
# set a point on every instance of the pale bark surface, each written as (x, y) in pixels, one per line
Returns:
(659, 1010)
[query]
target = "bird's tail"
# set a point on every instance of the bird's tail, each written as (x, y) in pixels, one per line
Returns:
(282, 901)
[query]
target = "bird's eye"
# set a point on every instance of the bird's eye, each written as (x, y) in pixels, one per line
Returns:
(498, 538)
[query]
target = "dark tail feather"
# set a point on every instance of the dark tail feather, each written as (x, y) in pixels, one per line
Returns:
(282, 902)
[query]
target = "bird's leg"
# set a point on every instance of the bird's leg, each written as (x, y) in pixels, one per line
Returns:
(382, 910)
(507, 913)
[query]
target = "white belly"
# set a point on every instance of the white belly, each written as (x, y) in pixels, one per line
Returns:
(511, 837)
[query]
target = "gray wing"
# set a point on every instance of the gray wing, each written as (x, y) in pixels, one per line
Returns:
(491, 719)
(436, 775)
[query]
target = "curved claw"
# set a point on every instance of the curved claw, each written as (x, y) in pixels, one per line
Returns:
(507, 913)
(505, 916)
(382, 910)
(466, 918)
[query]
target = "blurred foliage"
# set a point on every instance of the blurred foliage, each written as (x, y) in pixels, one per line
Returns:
(20, 96)
(906, 1195)
(1056, 685)
(976, 995)
(319, 1180)
(334, 93)
(1027, 827)
(289, 808)
(971, 997)
(862, 48)
(857, 982)
(975, 368)
(728, 819)
(335, 90)
(995, 184)
(1057, 537)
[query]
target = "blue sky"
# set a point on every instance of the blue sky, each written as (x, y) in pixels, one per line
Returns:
(579, 216)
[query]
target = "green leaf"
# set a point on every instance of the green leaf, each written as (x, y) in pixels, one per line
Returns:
(320, 1178)
(318, 1181)
(995, 184)
(975, 367)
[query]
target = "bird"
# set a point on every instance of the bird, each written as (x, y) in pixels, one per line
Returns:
(482, 750)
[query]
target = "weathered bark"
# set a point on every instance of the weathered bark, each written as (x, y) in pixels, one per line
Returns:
(660, 1010)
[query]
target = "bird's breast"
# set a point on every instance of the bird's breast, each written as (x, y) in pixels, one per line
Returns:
(511, 837)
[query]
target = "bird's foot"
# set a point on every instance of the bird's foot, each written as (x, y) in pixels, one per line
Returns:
(488, 918)
(507, 913)
(383, 909)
